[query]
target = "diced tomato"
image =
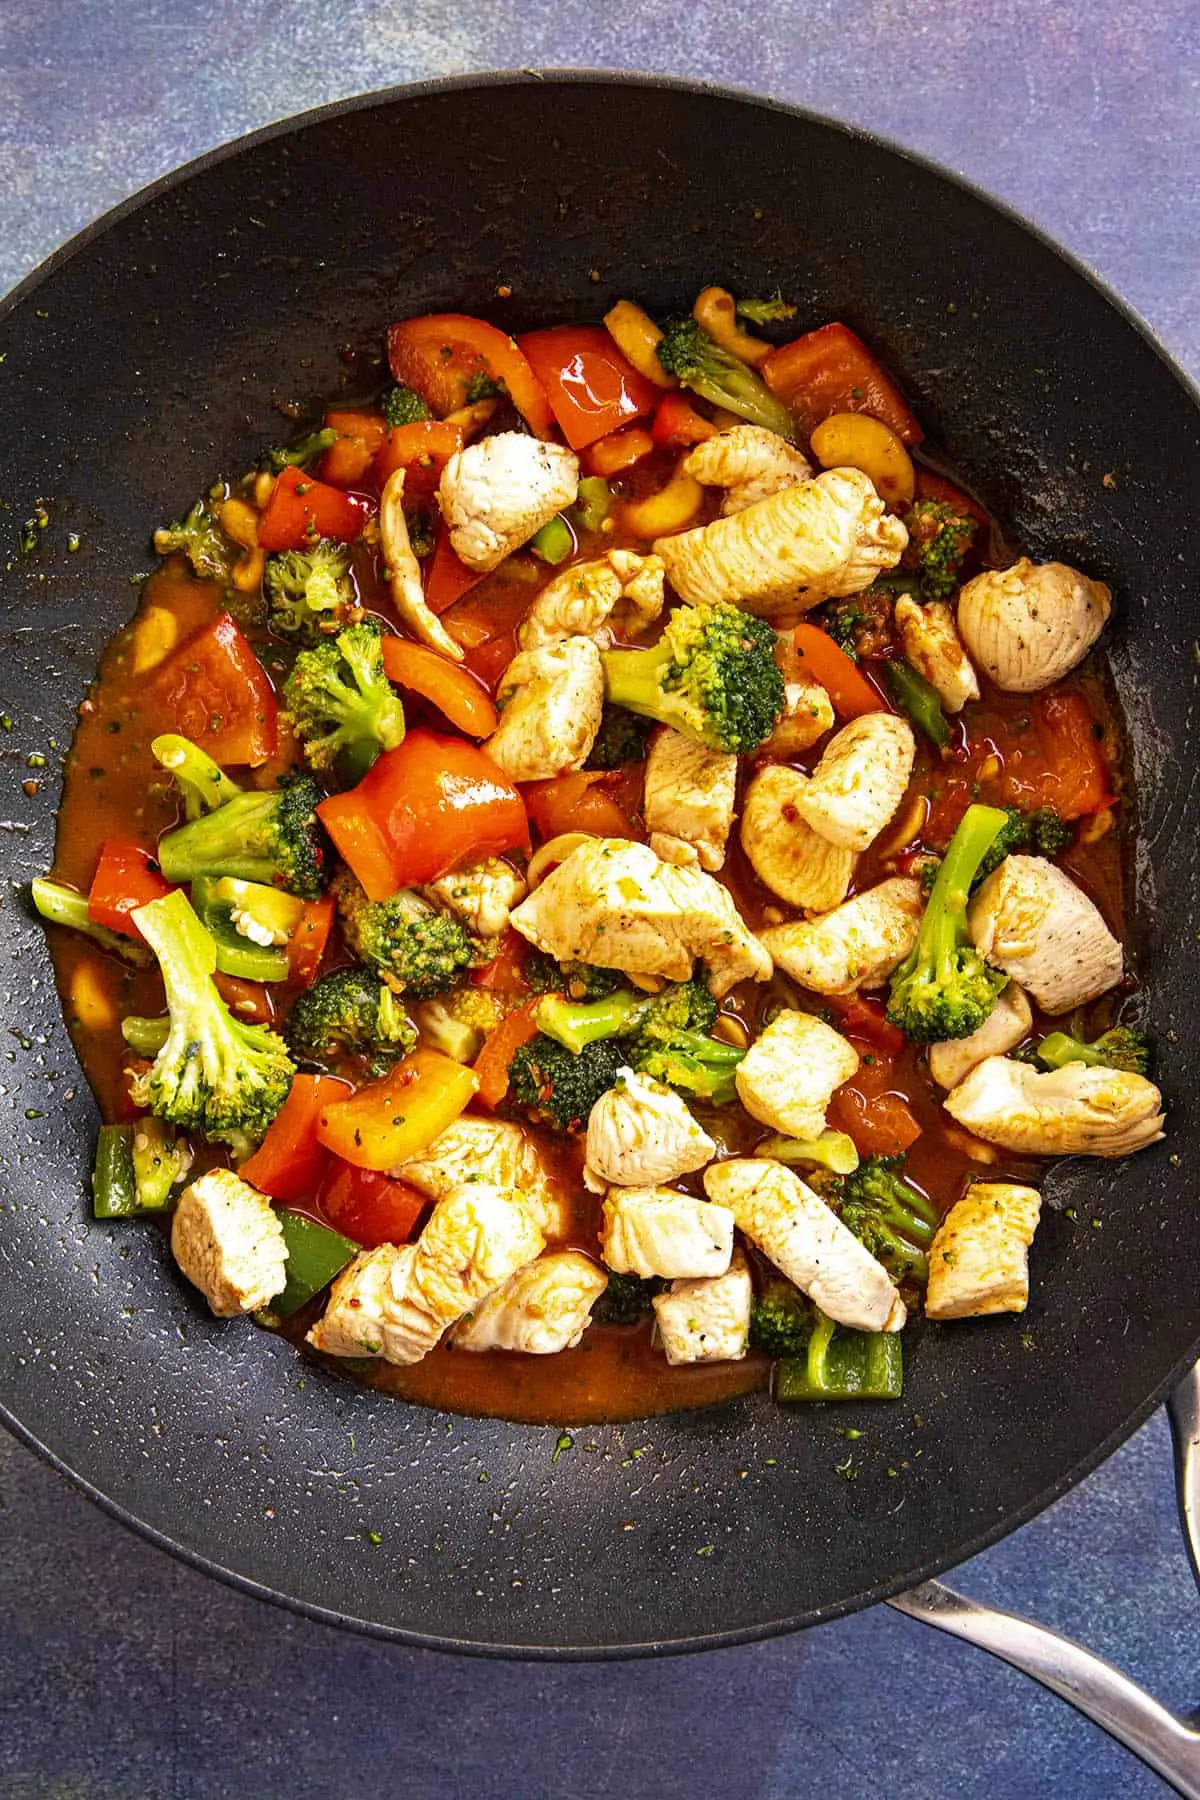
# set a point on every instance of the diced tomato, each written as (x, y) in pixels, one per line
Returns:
(347, 462)
(448, 578)
(936, 487)
(1067, 770)
(289, 1163)
(867, 1019)
(579, 802)
(307, 945)
(302, 509)
(505, 975)
(502, 1044)
(441, 355)
(421, 810)
(127, 876)
(371, 1208)
(822, 660)
(591, 388)
(620, 450)
(831, 371)
(389, 1121)
(868, 1107)
(213, 690)
(455, 691)
(422, 450)
(250, 1001)
(678, 424)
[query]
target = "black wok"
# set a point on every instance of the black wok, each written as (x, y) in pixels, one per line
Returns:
(151, 352)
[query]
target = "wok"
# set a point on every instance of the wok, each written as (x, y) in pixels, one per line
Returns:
(151, 352)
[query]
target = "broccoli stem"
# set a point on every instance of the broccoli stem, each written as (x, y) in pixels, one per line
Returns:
(843, 1365)
(278, 459)
(145, 1037)
(944, 925)
(631, 678)
(833, 1150)
(60, 905)
(575, 1025)
(202, 782)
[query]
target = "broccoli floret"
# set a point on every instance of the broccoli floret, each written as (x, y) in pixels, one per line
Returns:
(1119, 1048)
(210, 551)
(60, 905)
(938, 539)
(684, 1006)
(344, 708)
(1048, 834)
(576, 1024)
(582, 981)
(352, 1012)
(401, 406)
(835, 1151)
(160, 1162)
(557, 1088)
(686, 351)
(666, 1033)
(458, 1023)
(273, 837)
(202, 783)
(712, 676)
(1012, 836)
(310, 592)
(621, 740)
(781, 1320)
(314, 445)
(626, 1299)
(214, 1074)
(772, 311)
(416, 949)
(895, 1221)
(944, 988)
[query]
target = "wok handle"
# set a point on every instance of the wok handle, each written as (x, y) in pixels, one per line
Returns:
(1183, 1408)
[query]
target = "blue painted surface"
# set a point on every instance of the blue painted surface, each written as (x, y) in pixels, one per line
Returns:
(124, 1676)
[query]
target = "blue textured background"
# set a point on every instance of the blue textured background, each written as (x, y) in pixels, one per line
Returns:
(124, 1676)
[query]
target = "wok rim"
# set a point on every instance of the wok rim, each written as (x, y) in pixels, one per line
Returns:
(727, 1637)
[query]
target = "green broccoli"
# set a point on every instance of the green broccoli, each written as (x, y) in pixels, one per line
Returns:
(314, 445)
(891, 1217)
(772, 311)
(341, 703)
(781, 1320)
(944, 988)
(835, 1151)
(686, 351)
(839, 1364)
(626, 1299)
(61, 905)
(557, 1088)
(354, 1013)
(621, 740)
(310, 592)
(416, 949)
(272, 836)
(458, 1024)
(576, 1024)
(211, 551)
(1048, 833)
(1043, 832)
(666, 1033)
(938, 539)
(214, 1074)
(202, 783)
(582, 981)
(145, 1037)
(401, 406)
(712, 676)
(1118, 1048)
(1012, 837)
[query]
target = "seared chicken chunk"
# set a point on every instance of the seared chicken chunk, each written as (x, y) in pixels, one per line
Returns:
(551, 701)
(404, 572)
(655, 1231)
(690, 793)
(806, 544)
(934, 648)
(979, 1260)
(1030, 625)
(228, 1242)
(1073, 1111)
(807, 715)
(498, 492)
(619, 593)
(786, 854)
(1007, 1025)
(373, 1310)
(858, 944)
(860, 780)
(807, 1242)
(787, 1077)
(749, 462)
(640, 1134)
(707, 1320)
(491, 1150)
(1029, 919)
(617, 904)
(482, 896)
(545, 1307)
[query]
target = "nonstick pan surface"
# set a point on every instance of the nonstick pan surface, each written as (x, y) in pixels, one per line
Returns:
(153, 351)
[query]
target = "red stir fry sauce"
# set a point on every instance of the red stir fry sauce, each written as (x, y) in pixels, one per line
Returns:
(162, 673)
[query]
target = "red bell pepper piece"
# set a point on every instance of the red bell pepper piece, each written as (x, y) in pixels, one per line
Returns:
(591, 388)
(456, 693)
(441, 355)
(619, 451)
(127, 876)
(252, 1001)
(579, 802)
(936, 487)
(422, 450)
(290, 1163)
(347, 462)
(371, 1208)
(678, 424)
(302, 509)
(213, 690)
(448, 578)
(307, 944)
(831, 371)
(824, 661)
(867, 1019)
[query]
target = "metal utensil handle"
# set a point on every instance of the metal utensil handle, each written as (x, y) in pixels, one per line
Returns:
(1183, 1409)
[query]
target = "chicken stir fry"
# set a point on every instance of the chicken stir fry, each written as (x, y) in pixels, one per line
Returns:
(667, 910)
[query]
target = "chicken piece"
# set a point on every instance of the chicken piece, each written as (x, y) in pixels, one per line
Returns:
(641, 1133)
(656, 1231)
(858, 944)
(979, 1260)
(404, 572)
(786, 854)
(482, 896)
(807, 1242)
(616, 904)
(707, 1320)
(862, 777)
(690, 795)
(374, 1310)
(809, 543)
(1029, 919)
(749, 462)
(545, 1307)
(617, 595)
(498, 492)
(491, 1150)
(1073, 1111)
(934, 648)
(1007, 1025)
(228, 1242)
(787, 1077)
(551, 701)
(1030, 625)
(807, 715)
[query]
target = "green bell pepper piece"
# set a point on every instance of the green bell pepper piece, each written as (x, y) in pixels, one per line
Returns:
(920, 700)
(315, 1255)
